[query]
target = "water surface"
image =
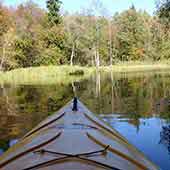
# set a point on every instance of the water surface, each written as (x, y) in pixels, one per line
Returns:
(137, 105)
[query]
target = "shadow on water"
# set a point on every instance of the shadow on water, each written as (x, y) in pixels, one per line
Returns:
(137, 105)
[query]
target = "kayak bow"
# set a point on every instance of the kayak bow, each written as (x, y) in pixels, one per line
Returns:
(74, 139)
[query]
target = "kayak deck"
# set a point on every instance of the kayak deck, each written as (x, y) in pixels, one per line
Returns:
(76, 140)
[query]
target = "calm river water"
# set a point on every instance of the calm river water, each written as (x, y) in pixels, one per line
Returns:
(137, 105)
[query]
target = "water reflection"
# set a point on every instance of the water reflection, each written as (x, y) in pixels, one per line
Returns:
(4, 145)
(141, 102)
(165, 137)
(146, 137)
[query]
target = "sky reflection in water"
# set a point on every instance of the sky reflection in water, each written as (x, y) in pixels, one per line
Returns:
(147, 138)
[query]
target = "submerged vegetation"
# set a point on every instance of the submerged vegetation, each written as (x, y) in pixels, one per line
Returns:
(31, 36)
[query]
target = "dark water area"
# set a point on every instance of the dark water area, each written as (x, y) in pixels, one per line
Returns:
(137, 105)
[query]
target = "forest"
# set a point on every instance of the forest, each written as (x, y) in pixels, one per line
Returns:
(31, 36)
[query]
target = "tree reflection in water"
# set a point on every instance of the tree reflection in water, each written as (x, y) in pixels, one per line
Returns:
(165, 137)
(4, 145)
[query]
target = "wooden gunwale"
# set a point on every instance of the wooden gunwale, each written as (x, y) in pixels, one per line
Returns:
(122, 155)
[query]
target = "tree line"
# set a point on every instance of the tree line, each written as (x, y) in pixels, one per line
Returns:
(32, 36)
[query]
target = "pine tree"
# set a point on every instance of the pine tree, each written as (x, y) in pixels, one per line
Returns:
(163, 11)
(53, 7)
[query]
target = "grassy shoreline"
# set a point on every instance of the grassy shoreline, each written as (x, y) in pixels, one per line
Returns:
(127, 68)
(59, 74)
(43, 75)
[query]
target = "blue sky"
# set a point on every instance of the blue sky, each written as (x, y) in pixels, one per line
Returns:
(112, 5)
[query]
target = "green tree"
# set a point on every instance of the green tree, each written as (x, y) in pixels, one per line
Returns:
(53, 7)
(132, 35)
(7, 37)
(163, 11)
(51, 46)
(28, 19)
(8, 60)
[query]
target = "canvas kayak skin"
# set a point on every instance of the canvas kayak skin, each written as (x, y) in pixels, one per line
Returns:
(74, 139)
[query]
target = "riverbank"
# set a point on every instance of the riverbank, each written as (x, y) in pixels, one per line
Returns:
(44, 75)
(138, 67)
(66, 74)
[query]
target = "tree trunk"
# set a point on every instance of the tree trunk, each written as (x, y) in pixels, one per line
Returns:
(72, 54)
(95, 55)
(3, 58)
(92, 61)
(97, 59)
(110, 43)
(97, 46)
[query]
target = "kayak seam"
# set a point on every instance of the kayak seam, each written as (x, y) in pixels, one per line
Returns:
(30, 150)
(46, 124)
(117, 152)
(119, 137)
(68, 156)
